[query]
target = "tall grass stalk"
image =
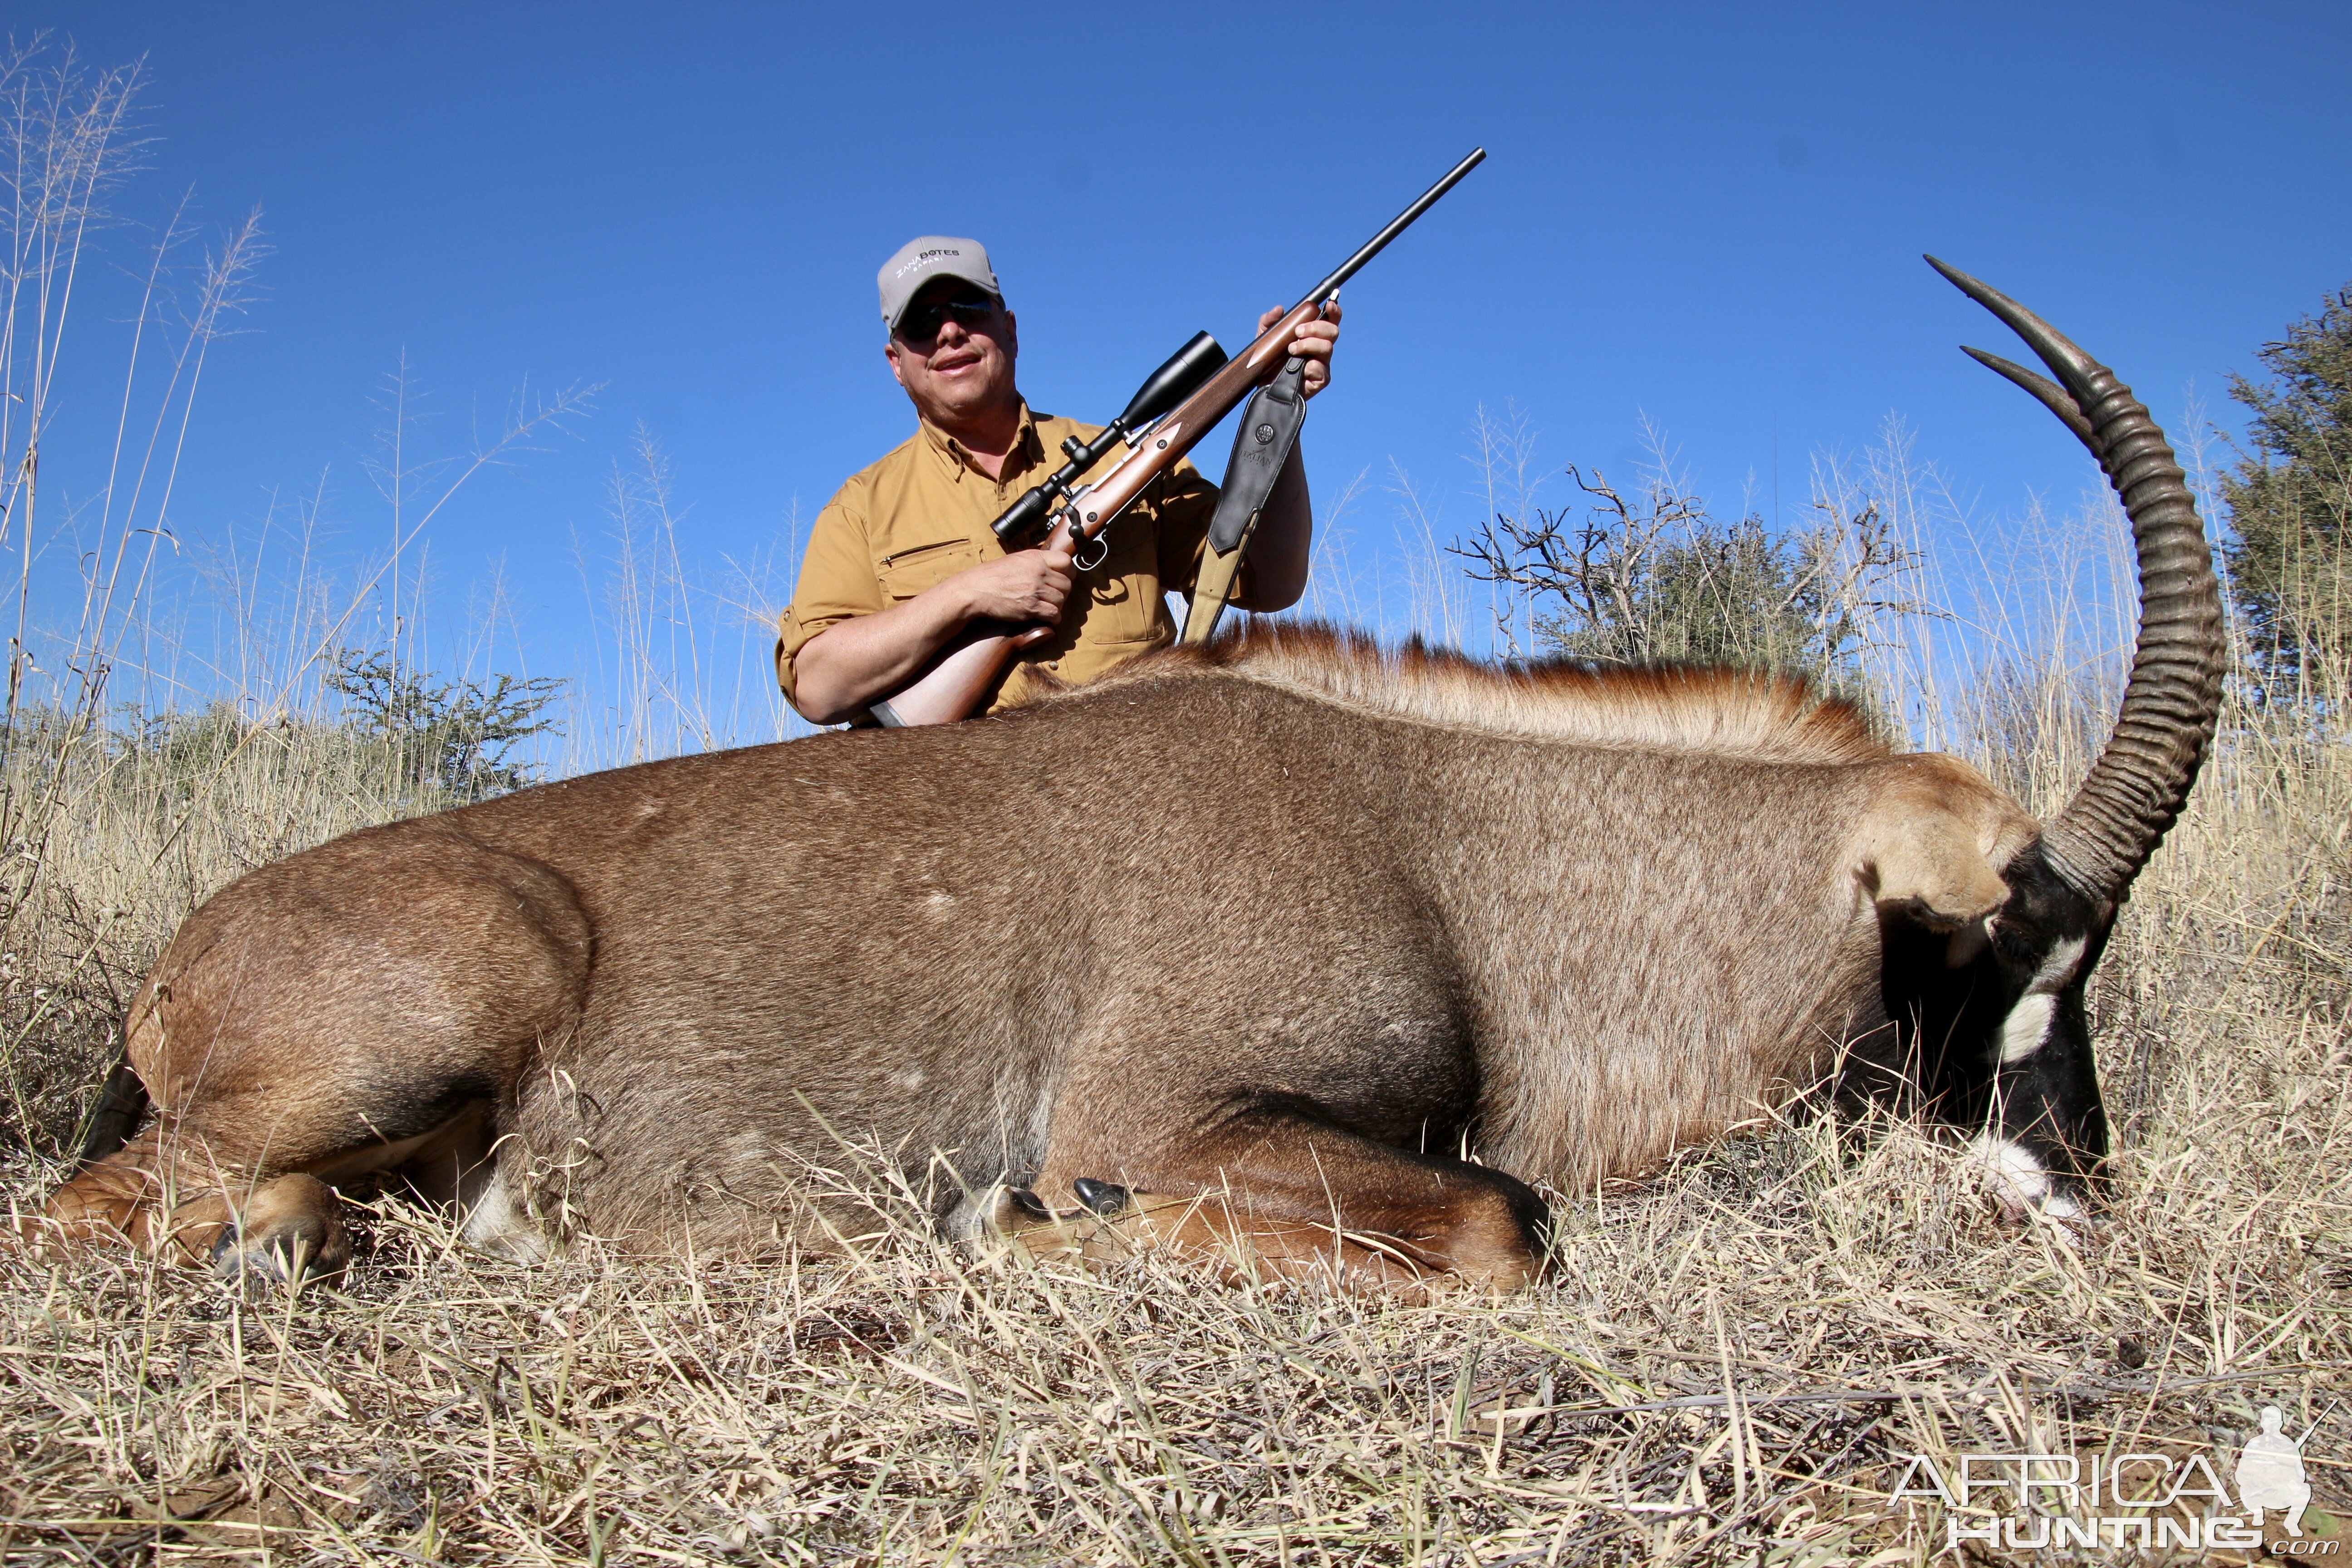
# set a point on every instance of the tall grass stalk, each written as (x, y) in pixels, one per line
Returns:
(116, 721)
(683, 661)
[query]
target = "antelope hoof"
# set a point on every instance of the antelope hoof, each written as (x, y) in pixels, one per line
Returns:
(1102, 1198)
(290, 1231)
(1030, 1204)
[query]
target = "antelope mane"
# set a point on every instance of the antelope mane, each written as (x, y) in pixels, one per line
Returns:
(1740, 713)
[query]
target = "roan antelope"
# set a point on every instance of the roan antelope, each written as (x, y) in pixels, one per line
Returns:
(1243, 950)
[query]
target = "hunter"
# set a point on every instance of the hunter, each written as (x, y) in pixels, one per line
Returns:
(902, 558)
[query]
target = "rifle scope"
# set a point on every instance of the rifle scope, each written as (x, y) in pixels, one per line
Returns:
(1163, 390)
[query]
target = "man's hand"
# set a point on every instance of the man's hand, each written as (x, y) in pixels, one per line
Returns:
(1026, 585)
(1312, 344)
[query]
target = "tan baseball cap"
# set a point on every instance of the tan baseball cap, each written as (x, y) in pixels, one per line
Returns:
(920, 260)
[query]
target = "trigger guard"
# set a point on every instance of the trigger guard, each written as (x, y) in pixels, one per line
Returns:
(1091, 553)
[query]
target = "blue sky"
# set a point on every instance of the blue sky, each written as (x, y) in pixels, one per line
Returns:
(1710, 216)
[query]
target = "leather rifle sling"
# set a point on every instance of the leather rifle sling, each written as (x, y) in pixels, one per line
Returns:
(1267, 436)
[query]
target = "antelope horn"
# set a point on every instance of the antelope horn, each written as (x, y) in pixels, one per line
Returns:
(2140, 781)
(2048, 393)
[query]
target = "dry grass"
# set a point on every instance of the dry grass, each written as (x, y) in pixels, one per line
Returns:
(1724, 1367)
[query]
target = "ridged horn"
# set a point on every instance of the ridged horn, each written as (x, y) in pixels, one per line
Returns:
(2046, 392)
(2140, 781)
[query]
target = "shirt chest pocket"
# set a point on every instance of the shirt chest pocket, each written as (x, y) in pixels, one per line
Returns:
(1123, 593)
(907, 572)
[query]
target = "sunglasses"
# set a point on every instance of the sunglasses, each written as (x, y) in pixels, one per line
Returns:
(921, 322)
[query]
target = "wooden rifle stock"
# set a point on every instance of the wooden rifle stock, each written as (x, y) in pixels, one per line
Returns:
(958, 681)
(960, 678)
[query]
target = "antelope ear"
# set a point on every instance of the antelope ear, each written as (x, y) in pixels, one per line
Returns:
(1926, 864)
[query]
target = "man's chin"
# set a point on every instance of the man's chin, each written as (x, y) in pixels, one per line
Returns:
(962, 405)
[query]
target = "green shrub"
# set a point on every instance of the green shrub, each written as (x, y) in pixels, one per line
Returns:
(450, 735)
(2290, 504)
(1656, 577)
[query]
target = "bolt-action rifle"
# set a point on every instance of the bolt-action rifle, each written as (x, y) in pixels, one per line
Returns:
(1177, 405)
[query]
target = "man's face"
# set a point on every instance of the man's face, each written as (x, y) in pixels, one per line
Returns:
(962, 370)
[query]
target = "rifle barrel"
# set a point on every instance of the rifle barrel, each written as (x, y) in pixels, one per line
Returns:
(1403, 220)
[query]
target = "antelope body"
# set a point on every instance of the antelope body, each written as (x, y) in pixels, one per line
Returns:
(1291, 947)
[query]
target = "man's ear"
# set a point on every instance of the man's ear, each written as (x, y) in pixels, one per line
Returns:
(890, 353)
(1012, 336)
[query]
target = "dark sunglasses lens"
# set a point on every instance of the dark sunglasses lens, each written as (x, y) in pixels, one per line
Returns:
(923, 321)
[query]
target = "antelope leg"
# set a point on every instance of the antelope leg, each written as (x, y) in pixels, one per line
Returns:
(1276, 1193)
(349, 1012)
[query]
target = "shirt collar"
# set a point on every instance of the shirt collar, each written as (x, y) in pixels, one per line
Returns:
(1028, 447)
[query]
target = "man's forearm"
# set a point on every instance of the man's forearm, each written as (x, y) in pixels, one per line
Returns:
(1275, 574)
(839, 672)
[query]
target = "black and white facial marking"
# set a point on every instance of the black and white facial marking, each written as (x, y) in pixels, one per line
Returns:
(2027, 1028)
(1991, 1021)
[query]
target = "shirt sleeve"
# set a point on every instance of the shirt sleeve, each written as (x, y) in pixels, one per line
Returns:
(836, 583)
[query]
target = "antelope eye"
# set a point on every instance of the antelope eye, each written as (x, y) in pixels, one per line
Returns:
(2017, 943)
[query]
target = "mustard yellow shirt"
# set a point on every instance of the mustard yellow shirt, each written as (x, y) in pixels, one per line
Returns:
(922, 514)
